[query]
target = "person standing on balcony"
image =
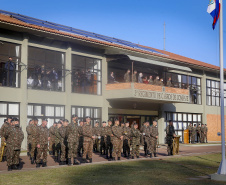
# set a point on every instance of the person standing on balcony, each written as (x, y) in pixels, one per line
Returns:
(150, 80)
(111, 78)
(161, 83)
(10, 68)
(145, 80)
(135, 76)
(140, 78)
(127, 76)
(169, 83)
(157, 81)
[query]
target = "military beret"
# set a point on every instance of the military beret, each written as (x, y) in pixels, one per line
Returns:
(5, 120)
(15, 119)
(59, 122)
(35, 119)
(74, 116)
(9, 117)
(127, 122)
(44, 119)
(135, 123)
(170, 120)
(103, 121)
(116, 119)
(55, 122)
(65, 120)
(87, 117)
(97, 122)
(109, 121)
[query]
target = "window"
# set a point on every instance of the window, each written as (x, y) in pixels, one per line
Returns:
(182, 120)
(82, 112)
(213, 93)
(187, 82)
(86, 75)
(8, 109)
(10, 67)
(53, 112)
(45, 69)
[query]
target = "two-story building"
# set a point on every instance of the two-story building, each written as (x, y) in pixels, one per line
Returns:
(59, 71)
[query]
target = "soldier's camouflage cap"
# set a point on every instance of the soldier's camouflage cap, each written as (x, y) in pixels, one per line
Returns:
(65, 120)
(44, 119)
(74, 116)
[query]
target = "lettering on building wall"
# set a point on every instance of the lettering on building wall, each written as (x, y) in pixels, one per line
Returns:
(161, 96)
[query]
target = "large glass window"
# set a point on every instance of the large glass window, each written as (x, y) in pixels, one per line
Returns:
(86, 75)
(45, 69)
(10, 64)
(182, 120)
(187, 82)
(8, 109)
(213, 93)
(82, 112)
(52, 112)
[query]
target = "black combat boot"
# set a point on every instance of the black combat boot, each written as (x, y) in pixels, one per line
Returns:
(125, 155)
(50, 153)
(10, 168)
(138, 157)
(132, 157)
(44, 164)
(38, 165)
(76, 162)
(119, 159)
(145, 154)
(168, 153)
(69, 162)
(32, 160)
(83, 160)
(62, 162)
(3, 158)
(90, 160)
(155, 155)
(28, 153)
(113, 158)
(150, 155)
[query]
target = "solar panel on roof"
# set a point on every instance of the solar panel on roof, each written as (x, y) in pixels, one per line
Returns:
(68, 29)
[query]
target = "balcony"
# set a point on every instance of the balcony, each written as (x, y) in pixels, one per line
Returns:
(147, 93)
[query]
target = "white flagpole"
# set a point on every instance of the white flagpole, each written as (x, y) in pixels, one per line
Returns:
(222, 167)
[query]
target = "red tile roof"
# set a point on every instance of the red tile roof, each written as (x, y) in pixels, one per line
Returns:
(14, 21)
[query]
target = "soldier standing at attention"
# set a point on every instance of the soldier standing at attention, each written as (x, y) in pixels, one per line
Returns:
(134, 77)
(198, 133)
(15, 136)
(126, 140)
(80, 145)
(154, 137)
(170, 134)
(52, 139)
(117, 132)
(57, 142)
(103, 141)
(42, 143)
(189, 132)
(169, 83)
(135, 133)
(127, 76)
(206, 131)
(7, 123)
(28, 129)
(202, 129)
(73, 139)
(109, 140)
(96, 132)
(63, 141)
(88, 140)
(34, 132)
(193, 133)
(146, 134)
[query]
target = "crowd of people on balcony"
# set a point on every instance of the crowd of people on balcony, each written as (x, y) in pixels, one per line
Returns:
(140, 78)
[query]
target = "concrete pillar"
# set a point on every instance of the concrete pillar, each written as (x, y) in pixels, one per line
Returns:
(104, 82)
(23, 95)
(203, 90)
(161, 127)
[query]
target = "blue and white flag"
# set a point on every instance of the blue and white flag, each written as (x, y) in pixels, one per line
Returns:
(214, 10)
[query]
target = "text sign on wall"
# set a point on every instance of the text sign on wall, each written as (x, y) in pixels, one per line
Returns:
(161, 96)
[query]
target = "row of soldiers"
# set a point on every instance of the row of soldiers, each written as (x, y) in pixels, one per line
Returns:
(200, 131)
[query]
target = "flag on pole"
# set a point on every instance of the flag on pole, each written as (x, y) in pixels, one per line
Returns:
(214, 10)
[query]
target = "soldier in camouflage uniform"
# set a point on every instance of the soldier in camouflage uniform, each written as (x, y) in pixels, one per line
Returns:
(117, 132)
(189, 132)
(63, 133)
(73, 139)
(193, 133)
(154, 137)
(42, 139)
(198, 129)
(80, 145)
(6, 124)
(170, 134)
(96, 132)
(206, 131)
(31, 122)
(135, 133)
(127, 76)
(14, 137)
(57, 142)
(126, 139)
(202, 129)
(109, 134)
(52, 139)
(34, 131)
(134, 77)
(103, 140)
(147, 138)
(88, 140)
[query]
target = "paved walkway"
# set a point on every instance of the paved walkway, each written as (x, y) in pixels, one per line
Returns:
(185, 150)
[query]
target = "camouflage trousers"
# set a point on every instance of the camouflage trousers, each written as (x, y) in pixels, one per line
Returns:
(202, 139)
(153, 145)
(126, 146)
(29, 143)
(33, 149)
(96, 145)
(103, 145)
(64, 150)
(51, 145)
(13, 156)
(135, 150)
(80, 145)
(88, 148)
(169, 141)
(193, 138)
(42, 152)
(72, 149)
(117, 147)
(147, 144)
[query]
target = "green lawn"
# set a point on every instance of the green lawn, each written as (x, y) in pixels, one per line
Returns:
(163, 172)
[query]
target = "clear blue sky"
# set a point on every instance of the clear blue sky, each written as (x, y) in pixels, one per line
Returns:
(188, 25)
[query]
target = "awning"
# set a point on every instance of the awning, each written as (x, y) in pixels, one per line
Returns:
(158, 63)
